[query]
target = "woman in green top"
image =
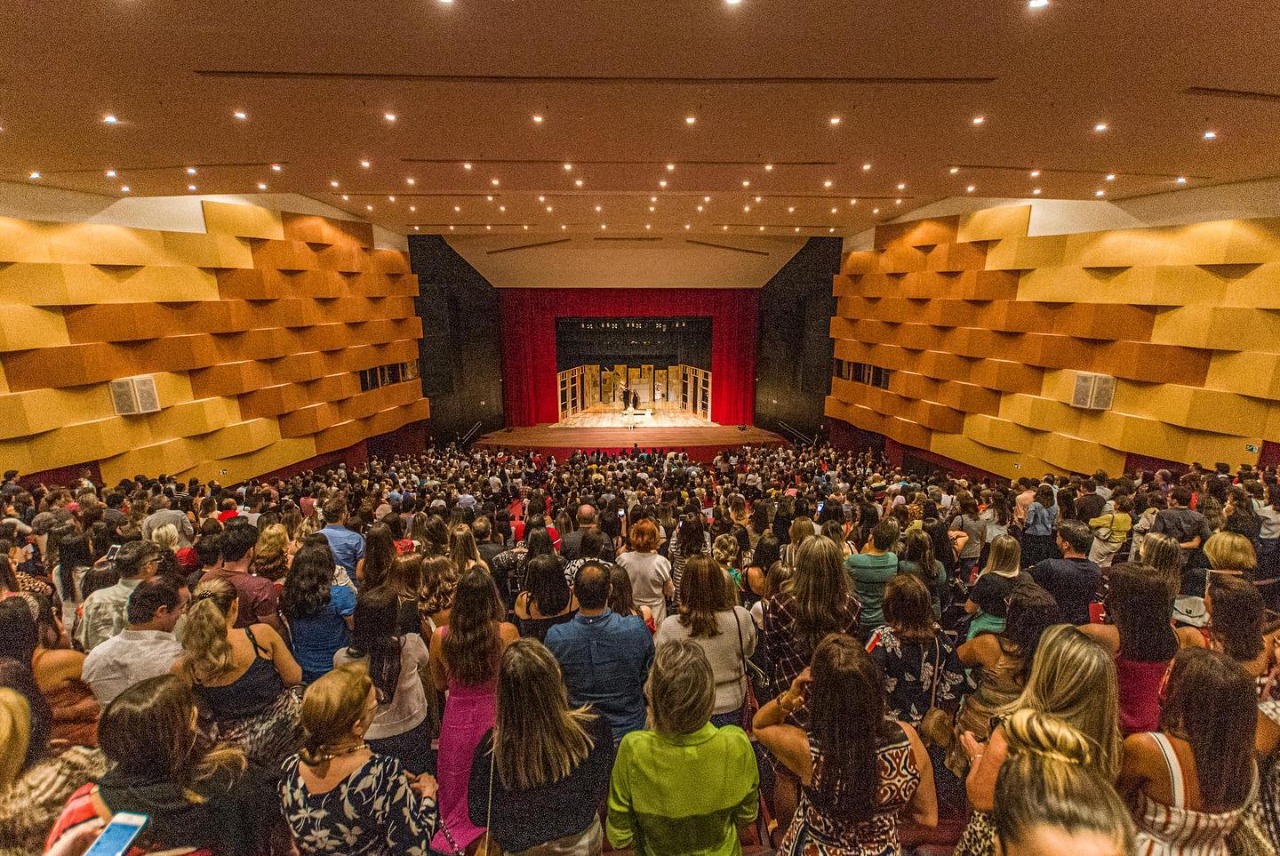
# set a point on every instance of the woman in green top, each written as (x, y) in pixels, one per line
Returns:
(682, 785)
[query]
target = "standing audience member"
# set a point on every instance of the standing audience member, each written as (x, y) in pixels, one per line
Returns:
(193, 797)
(989, 596)
(339, 795)
(650, 573)
(689, 540)
(871, 569)
(1187, 527)
(917, 558)
(1073, 580)
(1110, 529)
(144, 649)
(571, 543)
(105, 611)
(546, 601)
(464, 658)
(318, 612)
(347, 546)
(682, 786)
(605, 657)
(257, 595)
(724, 631)
(1038, 533)
(858, 769)
(540, 775)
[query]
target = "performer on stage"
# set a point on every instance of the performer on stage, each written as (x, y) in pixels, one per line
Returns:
(626, 397)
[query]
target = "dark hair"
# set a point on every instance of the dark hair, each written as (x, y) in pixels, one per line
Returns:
(379, 553)
(1212, 700)
(237, 540)
(19, 633)
(592, 543)
(1032, 610)
(847, 724)
(374, 636)
(472, 646)
(151, 595)
(17, 676)
(621, 599)
(547, 587)
(1238, 612)
(591, 584)
(134, 556)
(306, 587)
(704, 592)
(767, 551)
(208, 547)
(538, 541)
(908, 608)
(691, 535)
(1141, 606)
(885, 534)
(1077, 534)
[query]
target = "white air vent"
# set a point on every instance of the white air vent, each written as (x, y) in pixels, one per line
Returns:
(1093, 391)
(134, 395)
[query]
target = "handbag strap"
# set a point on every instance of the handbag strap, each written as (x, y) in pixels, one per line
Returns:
(933, 689)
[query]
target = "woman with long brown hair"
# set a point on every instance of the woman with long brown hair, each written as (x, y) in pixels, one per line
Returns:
(379, 553)
(464, 658)
(546, 764)
(859, 769)
(463, 548)
(439, 591)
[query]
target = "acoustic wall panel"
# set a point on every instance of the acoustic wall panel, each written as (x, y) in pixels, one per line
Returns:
(984, 328)
(256, 332)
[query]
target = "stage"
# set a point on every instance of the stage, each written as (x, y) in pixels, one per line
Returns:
(607, 429)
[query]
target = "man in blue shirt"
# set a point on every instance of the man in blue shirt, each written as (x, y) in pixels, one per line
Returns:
(605, 657)
(347, 546)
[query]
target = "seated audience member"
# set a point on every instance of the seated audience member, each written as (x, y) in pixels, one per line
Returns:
(1051, 799)
(649, 572)
(104, 611)
(318, 612)
(35, 780)
(605, 657)
(1001, 664)
(546, 600)
(989, 596)
(464, 658)
(546, 764)
(241, 676)
(620, 595)
(55, 671)
(144, 649)
(859, 770)
(341, 797)
(212, 800)
(683, 786)
(1072, 678)
(1142, 641)
(919, 664)
(257, 595)
(871, 569)
(1074, 579)
(710, 618)
(1187, 782)
(401, 727)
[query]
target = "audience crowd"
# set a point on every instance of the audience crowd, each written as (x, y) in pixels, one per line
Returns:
(802, 650)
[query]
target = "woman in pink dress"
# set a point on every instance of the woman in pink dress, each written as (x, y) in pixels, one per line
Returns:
(464, 658)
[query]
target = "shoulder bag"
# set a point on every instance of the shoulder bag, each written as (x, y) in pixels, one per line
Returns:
(936, 727)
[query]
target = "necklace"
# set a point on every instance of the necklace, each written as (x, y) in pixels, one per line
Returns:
(341, 753)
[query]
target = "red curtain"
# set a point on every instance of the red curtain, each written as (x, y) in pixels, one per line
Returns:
(529, 342)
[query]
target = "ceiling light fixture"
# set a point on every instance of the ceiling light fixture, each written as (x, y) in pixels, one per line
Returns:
(345, 198)
(652, 208)
(411, 181)
(1100, 127)
(835, 210)
(648, 226)
(415, 228)
(366, 164)
(261, 186)
(191, 187)
(746, 208)
(1182, 180)
(275, 167)
(699, 209)
(791, 209)
(599, 208)
(835, 120)
(413, 207)
(768, 167)
(391, 199)
(241, 115)
(1211, 135)
(826, 183)
(191, 170)
(457, 209)
(970, 189)
(494, 182)
(688, 226)
(746, 182)
(502, 208)
(549, 209)
(1111, 176)
(537, 119)
(690, 120)
(662, 183)
(488, 198)
(653, 199)
(111, 173)
(577, 182)
(762, 228)
(568, 167)
(467, 167)
(706, 199)
(978, 120)
(759, 199)
(671, 167)
(1035, 173)
(954, 170)
(542, 199)
(853, 202)
(390, 117)
(725, 227)
(902, 186)
(875, 210)
(110, 119)
(1035, 192)
(866, 166)
(1037, 4)
(1099, 193)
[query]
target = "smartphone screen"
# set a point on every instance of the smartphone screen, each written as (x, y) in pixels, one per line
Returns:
(112, 551)
(119, 834)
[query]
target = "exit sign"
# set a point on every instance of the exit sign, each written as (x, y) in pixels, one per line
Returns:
(1249, 447)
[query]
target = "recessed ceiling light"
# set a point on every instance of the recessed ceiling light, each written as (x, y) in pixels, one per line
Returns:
(457, 209)
(762, 228)
(494, 182)
(124, 189)
(526, 227)
(978, 120)
(1035, 192)
(537, 119)
(835, 120)
(746, 207)
(866, 166)
(648, 226)
(488, 199)
(653, 199)
(577, 182)
(826, 183)
(954, 170)
(835, 210)
(568, 167)
(450, 228)
(732, 2)
(241, 115)
(275, 167)
(467, 166)
(875, 210)
(853, 202)
(191, 187)
(688, 225)
(706, 199)
(548, 209)
(690, 120)
(746, 182)
(111, 173)
(542, 199)
(970, 189)
(1211, 135)
(1100, 127)
(699, 209)
(391, 199)
(345, 198)
(652, 208)
(599, 208)
(671, 167)
(110, 119)
(1111, 176)
(603, 226)
(797, 228)
(488, 227)
(563, 227)
(366, 164)
(390, 117)
(759, 199)
(333, 182)
(415, 228)
(1037, 4)
(1035, 173)
(902, 186)
(662, 183)
(1182, 180)
(831, 230)
(413, 207)
(191, 170)
(791, 209)
(768, 167)
(261, 186)
(1099, 193)
(725, 227)
(410, 180)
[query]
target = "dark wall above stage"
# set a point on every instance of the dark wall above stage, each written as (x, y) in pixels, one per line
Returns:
(633, 341)
(461, 347)
(794, 350)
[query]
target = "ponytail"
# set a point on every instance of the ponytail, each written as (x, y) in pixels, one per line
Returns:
(208, 652)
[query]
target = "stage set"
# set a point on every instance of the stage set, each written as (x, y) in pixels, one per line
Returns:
(616, 368)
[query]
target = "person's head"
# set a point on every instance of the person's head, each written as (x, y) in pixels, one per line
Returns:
(917, 546)
(210, 614)
(592, 543)
(1230, 551)
(681, 689)
(148, 733)
(1051, 799)
(1004, 557)
(538, 739)
(1075, 538)
(1161, 553)
(539, 542)
(587, 516)
(1141, 607)
(820, 590)
(439, 584)
(15, 735)
(621, 600)
(165, 537)
(273, 544)
(238, 542)
(337, 710)
(405, 577)
(704, 593)
(1236, 611)
(471, 647)
(1031, 611)
(1074, 678)
(801, 530)
(726, 550)
(137, 560)
(482, 528)
(19, 631)
(1212, 702)
(885, 535)
(1044, 495)
(335, 511)
(846, 720)
(156, 604)
(908, 608)
(308, 584)
(547, 587)
(643, 536)
(1179, 496)
(591, 585)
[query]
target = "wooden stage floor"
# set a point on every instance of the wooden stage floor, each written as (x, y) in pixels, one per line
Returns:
(561, 441)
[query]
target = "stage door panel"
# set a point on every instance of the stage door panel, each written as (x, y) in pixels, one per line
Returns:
(593, 388)
(659, 388)
(634, 382)
(619, 383)
(646, 386)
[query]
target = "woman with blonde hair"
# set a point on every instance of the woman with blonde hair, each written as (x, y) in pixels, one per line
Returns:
(1162, 555)
(1050, 797)
(1231, 553)
(1072, 678)
(242, 676)
(546, 764)
(989, 597)
(271, 555)
(801, 530)
(338, 795)
(166, 536)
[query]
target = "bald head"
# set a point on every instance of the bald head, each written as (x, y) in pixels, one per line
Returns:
(586, 515)
(591, 585)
